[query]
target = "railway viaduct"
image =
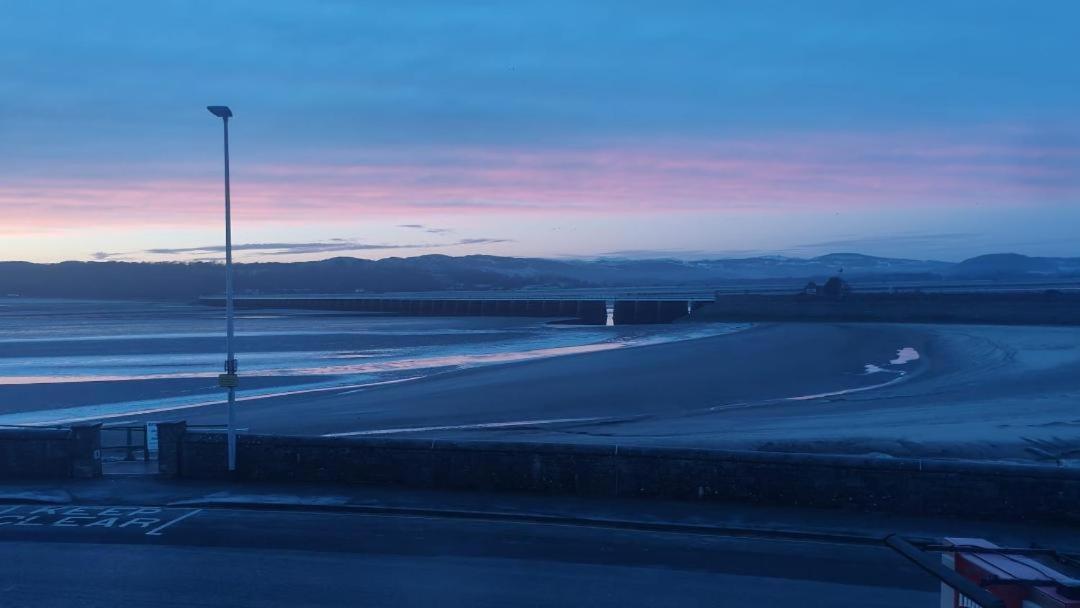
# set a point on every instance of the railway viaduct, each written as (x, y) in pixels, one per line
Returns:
(591, 311)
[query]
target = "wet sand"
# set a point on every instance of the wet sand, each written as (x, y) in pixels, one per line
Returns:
(980, 392)
(648, 388)
(969, 392)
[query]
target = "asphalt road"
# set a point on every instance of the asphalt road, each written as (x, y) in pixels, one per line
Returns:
(131, 556)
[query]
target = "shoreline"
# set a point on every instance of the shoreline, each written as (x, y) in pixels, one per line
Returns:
(43, 396)
(969, 396)
(644, 378)
(961, 391)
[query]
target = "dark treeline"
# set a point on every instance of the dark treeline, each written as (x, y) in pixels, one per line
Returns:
(172, 280)
(190, 280)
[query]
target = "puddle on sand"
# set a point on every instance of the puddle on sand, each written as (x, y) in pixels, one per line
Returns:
(904, 355)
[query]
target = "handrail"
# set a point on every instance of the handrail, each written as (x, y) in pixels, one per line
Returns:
(129, 446)
(960, 583)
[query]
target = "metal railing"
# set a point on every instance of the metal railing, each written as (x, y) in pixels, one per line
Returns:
(128, 438)
(132, 438)
(979, 591)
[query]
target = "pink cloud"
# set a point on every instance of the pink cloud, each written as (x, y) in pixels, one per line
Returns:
(826, 170)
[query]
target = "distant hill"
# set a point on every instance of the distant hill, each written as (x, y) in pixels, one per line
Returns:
(1008, 265)
(479, 272)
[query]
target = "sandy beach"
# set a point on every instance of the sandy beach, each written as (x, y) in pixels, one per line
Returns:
(986, 392)
(972, 392)
(901, 390)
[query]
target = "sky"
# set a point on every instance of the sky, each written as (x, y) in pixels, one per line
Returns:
(937, 129)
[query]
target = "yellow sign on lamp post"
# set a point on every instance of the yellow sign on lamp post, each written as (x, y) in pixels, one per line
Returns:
(228, 380)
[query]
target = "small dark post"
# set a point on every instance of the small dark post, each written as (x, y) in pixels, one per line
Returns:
(86, 451)
(129, 454)
(145, 444)
(170, 444)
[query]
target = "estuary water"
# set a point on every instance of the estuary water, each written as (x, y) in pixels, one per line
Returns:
(59, 356)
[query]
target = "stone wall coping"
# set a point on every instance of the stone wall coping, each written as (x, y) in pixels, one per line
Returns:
(962, 467)
(29, 434)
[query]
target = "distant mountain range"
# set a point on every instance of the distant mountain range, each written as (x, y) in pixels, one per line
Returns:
(478, 272)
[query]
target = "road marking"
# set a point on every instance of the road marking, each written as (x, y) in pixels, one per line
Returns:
(157, 531)
(150, 521)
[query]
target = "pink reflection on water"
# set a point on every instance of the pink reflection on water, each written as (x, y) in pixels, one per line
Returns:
(451, 361)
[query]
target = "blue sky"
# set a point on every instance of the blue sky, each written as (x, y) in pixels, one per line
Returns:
(919, 129)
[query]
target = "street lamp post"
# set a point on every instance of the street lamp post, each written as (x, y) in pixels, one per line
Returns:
(229, 379)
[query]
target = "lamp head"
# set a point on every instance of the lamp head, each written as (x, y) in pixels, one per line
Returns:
(220, 111)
